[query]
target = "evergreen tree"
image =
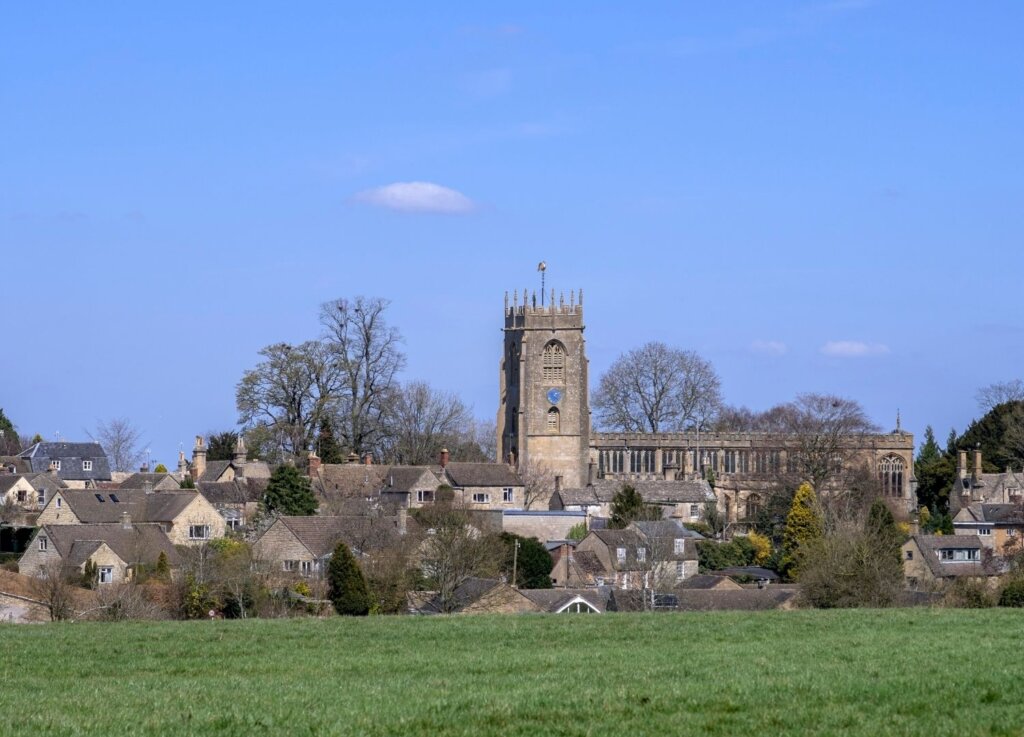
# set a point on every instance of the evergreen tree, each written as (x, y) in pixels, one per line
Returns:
(885, 535)
(9, 442)
(951, 442)
(1000, 436)
(221, 446)
(532, 563)
(628, 506)
(289, 493)
(347, 587)
(187, 482)
(930, 451)
(578, 531)
(327, 445)
(160, 468)
(163, 567)
(803, 527)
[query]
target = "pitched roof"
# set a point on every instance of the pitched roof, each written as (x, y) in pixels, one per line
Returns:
(930, 545)
(94, 507)
(158, 480)
(553, 600)
(17, 463)
(361, 533)
(468, 592)
(340, 480)
(1000, 514)
(239, 491)
(482, 474)
(71, 456)
(132, 544)
(404, 479)
(704, 581)
(709, 600)
(214, 470)
(655, 491)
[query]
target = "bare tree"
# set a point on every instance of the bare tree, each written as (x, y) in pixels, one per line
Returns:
(658, 389)
(454, 550)
(999, 393)
(366, 351)
(288, 391)
(52, 586)
(422, 421)
(122, 442)
(538, 486)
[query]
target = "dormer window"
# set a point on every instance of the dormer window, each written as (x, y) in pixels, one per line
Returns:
(86, 465)
(620, 554)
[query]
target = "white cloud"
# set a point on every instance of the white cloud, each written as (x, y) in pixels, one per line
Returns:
(417, 197)
(768, 347)
(853, 349)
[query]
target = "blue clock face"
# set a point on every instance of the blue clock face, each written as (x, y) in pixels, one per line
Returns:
(554, 396)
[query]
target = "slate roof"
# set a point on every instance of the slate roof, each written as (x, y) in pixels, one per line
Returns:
(993, 488)
(628, 539)
(341, 480)
(998, 514)
(405, 479)
(158, 480)
(132, 544)
(930, 545)
(481, 474)
(689, 491)
(705, 581)
(321, 534)
(214, 470)
(18, 464)
(70, 456)
(240, 491)
(95, 507)
(468, 592)
(551, 600)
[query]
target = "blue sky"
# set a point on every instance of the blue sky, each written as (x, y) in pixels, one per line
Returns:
(815, 196)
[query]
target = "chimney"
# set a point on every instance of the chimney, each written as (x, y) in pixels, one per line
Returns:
(444, 458)
(314, 464)
(403, 517)
(977, 462)
(352, 458)
(198, 458)
(53, 468)
(182, 464)
(668, 472)
(961, 464)
(147, 486)
(144, 468)
(126, 520)
(558, 483)
(368, 459)
(241, 453)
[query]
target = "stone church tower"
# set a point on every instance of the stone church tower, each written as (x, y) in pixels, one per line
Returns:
(544, 414)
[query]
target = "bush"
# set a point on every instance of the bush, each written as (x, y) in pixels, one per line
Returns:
(714, 556)
(347, 587)
(967, 593)
(1013, 594)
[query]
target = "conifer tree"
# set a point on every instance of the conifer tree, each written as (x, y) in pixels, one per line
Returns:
(347, 587)
(628, 506)
(289, 493)
(803, 527)
(327, 445)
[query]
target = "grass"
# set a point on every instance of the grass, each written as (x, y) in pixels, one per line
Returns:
(900, 672)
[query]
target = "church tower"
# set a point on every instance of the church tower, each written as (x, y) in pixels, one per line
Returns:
(544, 414)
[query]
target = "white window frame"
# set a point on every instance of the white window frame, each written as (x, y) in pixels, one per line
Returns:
(620, 555)
(694, 511)
(641, 554)
(679, 546)
(986, 531)
(204, 532)
(41, 496)
(480, 497)
(105, 574)
(86, 465)
(424, 496)
(508, 495)
(680, 570)
(289, 566)
(56, 465)
(306, 567)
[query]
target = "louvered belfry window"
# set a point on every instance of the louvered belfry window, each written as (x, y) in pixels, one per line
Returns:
(554, 363)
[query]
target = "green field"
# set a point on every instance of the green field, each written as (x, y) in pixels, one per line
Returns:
(903, 672)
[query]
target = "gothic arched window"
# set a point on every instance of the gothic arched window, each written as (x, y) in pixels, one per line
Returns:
(553, 363)
(553, 420)
(890, 475)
